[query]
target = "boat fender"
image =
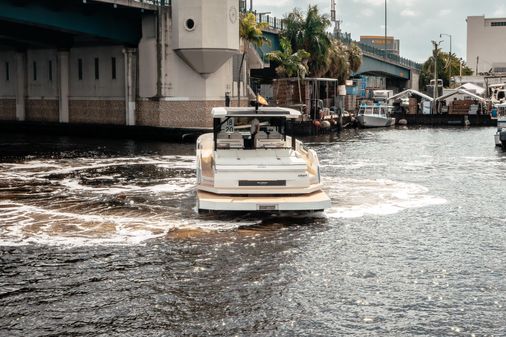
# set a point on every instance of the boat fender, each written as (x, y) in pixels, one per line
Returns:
(316, 123)
(325, 124)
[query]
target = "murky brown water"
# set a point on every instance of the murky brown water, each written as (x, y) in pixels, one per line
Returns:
(100, 238)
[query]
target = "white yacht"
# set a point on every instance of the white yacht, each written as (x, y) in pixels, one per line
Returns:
(249, 163)
(374, 116)
(500, 135)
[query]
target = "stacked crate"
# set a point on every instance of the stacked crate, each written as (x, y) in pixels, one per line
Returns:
(460, 107)
(350, 102)
(413, 106)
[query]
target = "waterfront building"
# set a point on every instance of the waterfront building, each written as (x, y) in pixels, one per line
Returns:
(486, 50)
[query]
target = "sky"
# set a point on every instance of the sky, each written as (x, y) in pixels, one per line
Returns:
(414, 22)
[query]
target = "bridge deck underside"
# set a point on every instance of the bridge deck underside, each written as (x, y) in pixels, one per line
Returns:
(65, 23)
(376, 67)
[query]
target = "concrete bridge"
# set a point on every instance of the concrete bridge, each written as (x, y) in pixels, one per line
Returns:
(400, 73)
(124, 62)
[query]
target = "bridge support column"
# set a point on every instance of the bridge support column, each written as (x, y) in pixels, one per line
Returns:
(63, 87)
(21, 90)
(130, 84)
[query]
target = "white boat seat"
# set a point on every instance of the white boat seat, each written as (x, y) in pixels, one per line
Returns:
(230, 140)
(275, 135)
(261, 135)
(269, 143)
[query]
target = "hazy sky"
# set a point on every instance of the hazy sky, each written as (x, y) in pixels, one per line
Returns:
(414, 22)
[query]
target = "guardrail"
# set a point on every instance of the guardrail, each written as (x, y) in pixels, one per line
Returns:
(368, 49)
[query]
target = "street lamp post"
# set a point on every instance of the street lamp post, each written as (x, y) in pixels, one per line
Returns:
(434, 92)
(385, 28)
(449, 57)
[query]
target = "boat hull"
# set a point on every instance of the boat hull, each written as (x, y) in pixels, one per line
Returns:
(316, 201)
(367, 121)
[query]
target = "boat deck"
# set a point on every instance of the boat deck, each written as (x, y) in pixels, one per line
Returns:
(315, 201)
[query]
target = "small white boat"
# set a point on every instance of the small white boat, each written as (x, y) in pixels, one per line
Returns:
(374, 116)
(500, 135)
(249, 163)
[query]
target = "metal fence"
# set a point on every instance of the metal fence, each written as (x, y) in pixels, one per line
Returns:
(391, 57)
(274, 23)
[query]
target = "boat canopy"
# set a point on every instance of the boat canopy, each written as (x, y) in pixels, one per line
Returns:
(410, 92)
(462, 92)
(253, 112)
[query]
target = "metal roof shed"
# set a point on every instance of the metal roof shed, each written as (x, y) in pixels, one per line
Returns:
(411, 92)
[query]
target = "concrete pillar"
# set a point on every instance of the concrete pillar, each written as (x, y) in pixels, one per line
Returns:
(63, 86)
(163, 49)
(130, 61)
(21, 90)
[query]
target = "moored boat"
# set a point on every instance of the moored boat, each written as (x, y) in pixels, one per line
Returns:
(249, 163)
(500, 135)
(374, 116)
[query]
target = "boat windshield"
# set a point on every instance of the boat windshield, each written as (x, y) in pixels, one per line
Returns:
(255, 132)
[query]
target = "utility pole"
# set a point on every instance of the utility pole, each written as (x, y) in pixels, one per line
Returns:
(449, 58)
(385, 28)
(434, 55)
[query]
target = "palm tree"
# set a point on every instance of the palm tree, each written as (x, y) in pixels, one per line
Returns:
(290, 64)
(250, 31)
(310, 33)
(444, 62)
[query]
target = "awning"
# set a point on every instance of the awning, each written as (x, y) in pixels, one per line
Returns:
(470, 86)
(410, 92)
(461, 92)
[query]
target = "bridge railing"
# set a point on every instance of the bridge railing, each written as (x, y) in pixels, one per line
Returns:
(274, 22)
(368, 49)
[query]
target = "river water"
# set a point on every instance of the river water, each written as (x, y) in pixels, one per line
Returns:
(100, 238)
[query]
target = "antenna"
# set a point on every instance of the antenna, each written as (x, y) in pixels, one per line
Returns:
(333, 18)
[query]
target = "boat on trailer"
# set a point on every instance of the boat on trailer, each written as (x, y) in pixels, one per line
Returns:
(500, 135)
(250, 163)
(374, 116)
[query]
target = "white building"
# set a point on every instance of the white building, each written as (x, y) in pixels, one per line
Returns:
(486, 44)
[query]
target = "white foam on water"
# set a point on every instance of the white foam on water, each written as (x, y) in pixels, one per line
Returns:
(353, 198)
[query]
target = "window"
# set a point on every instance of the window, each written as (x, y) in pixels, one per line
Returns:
(498, 24)
(50, 69)
(7, 72)
(113, 67)
(97, 74)
(80, 69)
(34, 71)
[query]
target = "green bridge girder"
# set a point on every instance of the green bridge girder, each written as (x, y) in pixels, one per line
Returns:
(374, 66)
(74, 17)
(370, 65)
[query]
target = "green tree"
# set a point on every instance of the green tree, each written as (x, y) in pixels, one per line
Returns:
(445, 62)
(309, 33)
(250, 31)
(290, 64)
(342, 60)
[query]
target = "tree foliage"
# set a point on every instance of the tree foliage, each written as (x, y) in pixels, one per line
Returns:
(446, 63)
(290, 64)
(251, 31)
(329, 57)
